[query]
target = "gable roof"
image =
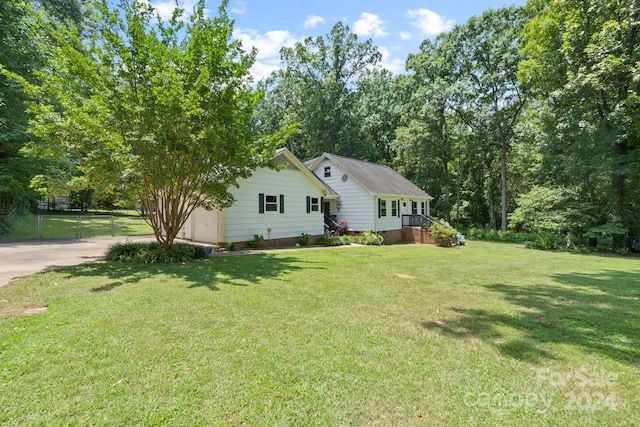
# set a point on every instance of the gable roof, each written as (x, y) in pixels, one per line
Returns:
(378, 179)
(289, 159)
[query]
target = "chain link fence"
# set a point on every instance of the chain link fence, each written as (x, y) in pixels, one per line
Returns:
(76, 226)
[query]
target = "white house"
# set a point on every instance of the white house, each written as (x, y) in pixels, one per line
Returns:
(277, 204)
(281, 204)
(372, 196)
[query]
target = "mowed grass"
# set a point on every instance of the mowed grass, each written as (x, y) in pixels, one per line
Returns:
(66, 226)
(487, 334)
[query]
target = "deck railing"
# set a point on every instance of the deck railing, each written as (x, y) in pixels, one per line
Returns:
(419, 220)
(330, 222)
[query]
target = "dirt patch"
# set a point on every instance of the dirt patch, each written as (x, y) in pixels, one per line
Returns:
(405, 276)
(24, 311)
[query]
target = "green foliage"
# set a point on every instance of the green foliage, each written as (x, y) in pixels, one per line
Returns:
(159, 110)
(304, 239)
(461, 116)
(545, 241)
(231, 246)
(330, 239)
(608, 229)
(445, 236)
(582, 66)
(23, 51)
(538, 240)
(369, 237)
(9, 222)
(154, 253)
(257, 241)
(509, 236)
(318, 89)
(550, 209)
(609, 236)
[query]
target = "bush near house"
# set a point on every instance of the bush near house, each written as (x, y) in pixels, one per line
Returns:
(154, 253)
(305, 239)
(445, 236)
(330, 239)
(370, 238)
(257, 241)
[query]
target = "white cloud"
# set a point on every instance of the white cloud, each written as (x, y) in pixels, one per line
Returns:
(165, 8)
(395, 65)
(268, 46)
(405, 36)
(239, 8)
(429, 22)
(261, 70)
(313, 21)
(369, 24)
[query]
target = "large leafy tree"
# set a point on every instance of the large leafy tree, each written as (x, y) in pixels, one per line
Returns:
(318, 89)
(380, 104)
(430, 129)
(162, 110)
(488, 48)
(463, 115)
(24, 49)
(583, 65)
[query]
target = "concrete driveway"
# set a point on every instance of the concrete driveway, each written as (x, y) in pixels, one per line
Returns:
(23, 258)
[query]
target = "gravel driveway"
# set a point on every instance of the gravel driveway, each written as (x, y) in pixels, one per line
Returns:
(23, 258)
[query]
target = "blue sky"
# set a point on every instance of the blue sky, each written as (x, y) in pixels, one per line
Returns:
(396, 26)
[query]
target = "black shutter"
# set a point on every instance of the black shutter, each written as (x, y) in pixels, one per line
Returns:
(308, 204)
(261, 203)
(379, 209)
(282, 203)
(322, 204)
(398, 205)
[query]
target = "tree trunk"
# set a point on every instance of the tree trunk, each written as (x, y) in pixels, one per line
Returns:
(503, 185)
(617, 189)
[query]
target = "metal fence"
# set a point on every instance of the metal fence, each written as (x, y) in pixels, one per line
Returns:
(77, 226)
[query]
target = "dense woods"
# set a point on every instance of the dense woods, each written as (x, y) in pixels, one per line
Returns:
(522, 118)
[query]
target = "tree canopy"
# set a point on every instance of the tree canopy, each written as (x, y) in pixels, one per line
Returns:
(160, 110)
(528, 114)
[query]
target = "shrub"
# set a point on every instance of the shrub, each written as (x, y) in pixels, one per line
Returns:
(343, 226)
(154, 253)
(305, 239)
(477, 233)
(330, 239)
(546, 241)
(370, 238)
(231, 246)
(257, 241)
(445, 236)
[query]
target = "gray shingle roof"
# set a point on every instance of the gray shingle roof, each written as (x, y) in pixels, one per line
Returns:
(378, 179)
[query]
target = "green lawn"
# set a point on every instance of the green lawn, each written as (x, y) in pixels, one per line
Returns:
(66, 226)
(487, 334)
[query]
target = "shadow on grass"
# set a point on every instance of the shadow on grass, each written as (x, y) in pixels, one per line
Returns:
(211, 273)
(597, 313)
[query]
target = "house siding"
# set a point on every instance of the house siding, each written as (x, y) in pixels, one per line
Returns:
(357, 204)
(243, 219)
(388, 222)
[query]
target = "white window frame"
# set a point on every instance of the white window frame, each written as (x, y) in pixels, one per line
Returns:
(275, 204)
